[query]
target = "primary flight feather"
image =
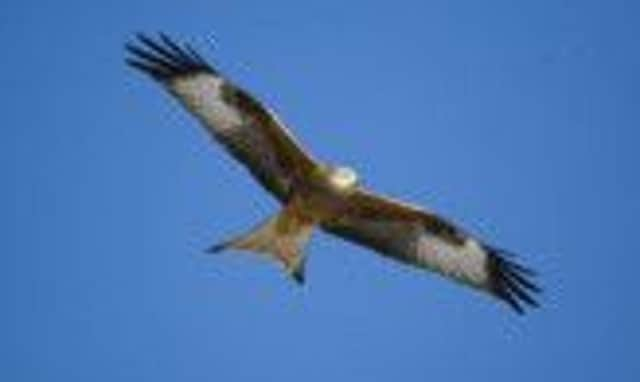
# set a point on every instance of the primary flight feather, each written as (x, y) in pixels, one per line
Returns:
(315, 194)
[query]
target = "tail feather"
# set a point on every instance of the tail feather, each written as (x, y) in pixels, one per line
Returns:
(283, 237)
(218, 247)
(298, 271)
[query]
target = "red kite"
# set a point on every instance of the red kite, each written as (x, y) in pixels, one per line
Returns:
(319, 195)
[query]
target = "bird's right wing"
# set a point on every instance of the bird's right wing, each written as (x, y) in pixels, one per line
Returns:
(248, 130)
(420, 238)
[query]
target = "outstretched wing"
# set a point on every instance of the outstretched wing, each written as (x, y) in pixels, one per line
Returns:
(247, 129)
(420, 238)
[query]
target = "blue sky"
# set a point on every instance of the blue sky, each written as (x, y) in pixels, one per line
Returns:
(518, 121)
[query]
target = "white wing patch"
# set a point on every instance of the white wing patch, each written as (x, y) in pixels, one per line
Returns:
(202, 94)
(466, 263)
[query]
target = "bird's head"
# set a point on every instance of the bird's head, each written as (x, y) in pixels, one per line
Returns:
(342, 178)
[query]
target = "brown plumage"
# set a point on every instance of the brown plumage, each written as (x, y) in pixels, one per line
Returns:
(314, 194)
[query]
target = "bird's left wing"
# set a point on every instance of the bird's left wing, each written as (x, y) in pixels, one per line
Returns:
(417, 237)
(246, 128)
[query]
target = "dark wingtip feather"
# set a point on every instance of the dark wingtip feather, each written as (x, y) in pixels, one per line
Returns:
(151, 70)
(511, 282)
(163, 59)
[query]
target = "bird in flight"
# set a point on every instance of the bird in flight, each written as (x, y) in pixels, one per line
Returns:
(315, 194)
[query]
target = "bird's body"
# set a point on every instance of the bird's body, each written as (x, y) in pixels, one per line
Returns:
(318, 195)
(323, 199)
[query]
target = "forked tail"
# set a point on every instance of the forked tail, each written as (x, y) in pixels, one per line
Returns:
(283, 237)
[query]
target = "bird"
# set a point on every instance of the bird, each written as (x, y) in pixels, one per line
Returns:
(320, 195)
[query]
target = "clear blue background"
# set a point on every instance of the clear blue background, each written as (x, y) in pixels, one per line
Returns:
(520, 121)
